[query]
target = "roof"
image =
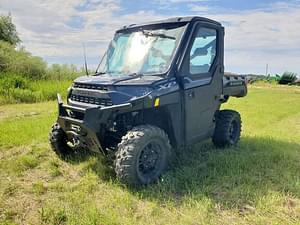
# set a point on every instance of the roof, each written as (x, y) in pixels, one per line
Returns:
(173, 20)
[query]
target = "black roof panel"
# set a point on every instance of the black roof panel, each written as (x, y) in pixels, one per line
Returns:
(173, 20)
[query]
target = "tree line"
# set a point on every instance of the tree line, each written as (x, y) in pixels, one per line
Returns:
(15, 60)
(27, 78)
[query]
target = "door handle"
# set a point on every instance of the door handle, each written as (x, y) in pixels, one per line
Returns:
(191, 94)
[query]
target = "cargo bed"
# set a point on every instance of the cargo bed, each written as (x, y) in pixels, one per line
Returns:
(234, 85)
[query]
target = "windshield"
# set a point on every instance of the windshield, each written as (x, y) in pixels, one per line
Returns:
(141, 51)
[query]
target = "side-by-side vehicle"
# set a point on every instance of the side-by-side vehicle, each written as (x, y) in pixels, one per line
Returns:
(159, 86)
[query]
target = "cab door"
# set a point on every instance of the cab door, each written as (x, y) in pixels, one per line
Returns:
(202, 74)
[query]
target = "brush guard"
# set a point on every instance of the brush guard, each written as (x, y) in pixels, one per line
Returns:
(86, 131)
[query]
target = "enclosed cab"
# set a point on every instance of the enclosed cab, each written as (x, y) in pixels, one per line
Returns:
(158, 87)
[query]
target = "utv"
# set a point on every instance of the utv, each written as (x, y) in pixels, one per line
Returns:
(159, 86)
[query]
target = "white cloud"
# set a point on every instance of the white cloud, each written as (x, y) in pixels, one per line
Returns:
(43, 28)
(181, 1)
(253, 37)
(176, 4)
(256, 37)
(198, 8)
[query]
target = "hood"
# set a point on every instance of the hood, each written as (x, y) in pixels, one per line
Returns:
(108, 90)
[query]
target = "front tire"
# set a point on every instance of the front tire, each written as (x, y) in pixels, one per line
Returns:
(142, 155)
(58, 141)
(228, 128)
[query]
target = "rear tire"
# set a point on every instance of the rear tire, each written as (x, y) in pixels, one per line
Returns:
(58, 141)
(142, 155)
(228, 128)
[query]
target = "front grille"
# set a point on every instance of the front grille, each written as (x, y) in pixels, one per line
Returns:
(90, 86)
(91, 100)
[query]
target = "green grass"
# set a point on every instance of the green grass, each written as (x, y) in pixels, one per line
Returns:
(257, 182)
(33, 91)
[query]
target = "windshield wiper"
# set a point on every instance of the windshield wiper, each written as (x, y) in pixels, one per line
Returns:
(134, 75)
(151, 34)
(99, 73)
(131, 76)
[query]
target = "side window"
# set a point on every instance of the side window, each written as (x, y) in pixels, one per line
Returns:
(203, 51)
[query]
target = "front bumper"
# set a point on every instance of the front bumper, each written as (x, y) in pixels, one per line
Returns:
(87, 128)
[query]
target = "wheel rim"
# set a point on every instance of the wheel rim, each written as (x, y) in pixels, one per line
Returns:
(233, 131)
(149, 160)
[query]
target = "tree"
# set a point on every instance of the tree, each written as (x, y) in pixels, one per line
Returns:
(8, 32)
(20, 62)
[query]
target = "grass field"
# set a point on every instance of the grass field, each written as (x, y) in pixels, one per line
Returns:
(257, 182)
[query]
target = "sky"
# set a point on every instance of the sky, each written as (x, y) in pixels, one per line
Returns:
(258, 32)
